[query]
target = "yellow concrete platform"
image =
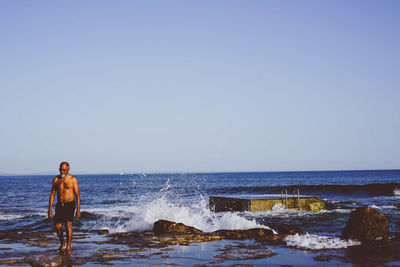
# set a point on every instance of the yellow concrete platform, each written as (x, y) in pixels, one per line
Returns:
(220, 204)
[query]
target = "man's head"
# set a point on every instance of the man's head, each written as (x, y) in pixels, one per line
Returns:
(64, 168)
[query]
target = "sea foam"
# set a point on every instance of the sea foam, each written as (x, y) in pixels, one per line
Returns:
(168, 204)
(142, 217)
(374, 207)
(316, 242)
(7, 217)
(396, 192)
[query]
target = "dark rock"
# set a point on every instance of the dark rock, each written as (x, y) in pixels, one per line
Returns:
(244, 234)
(341, 205)
(372, 256)
(366, 224)
(220, 204)
(245, 253)
(178, 233)
(165, 227)
(102, 232)
(349, 203)
(187, 239)
(330, 205)
(285, 229)
(322, 257)
(397, 205)
(43, 261)
(396, 236)
(88, 216)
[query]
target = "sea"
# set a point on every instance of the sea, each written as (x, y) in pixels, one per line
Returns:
(131, 203)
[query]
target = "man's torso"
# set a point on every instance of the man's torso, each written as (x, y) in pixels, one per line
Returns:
(65, 189)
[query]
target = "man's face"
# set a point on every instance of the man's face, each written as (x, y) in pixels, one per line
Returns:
(64, 170)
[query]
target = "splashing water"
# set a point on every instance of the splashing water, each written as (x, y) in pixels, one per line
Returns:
(167, 185)
(396, 192)
(169, 204)
(197, 215)
(315, 242)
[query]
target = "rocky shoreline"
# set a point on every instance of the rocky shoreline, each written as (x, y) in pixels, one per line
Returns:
(22, 247)
(38, 248)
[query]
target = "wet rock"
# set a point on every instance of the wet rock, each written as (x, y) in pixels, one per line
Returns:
(244, 234)
(349, 203)
(285, 229)
(165, 227)
(396, 236)
(178, 233)
(245, 253)
(186, 239)
(321, 257)
(42, 244)
(366, 224)
(88, 216)
(102, 232)
(367, 256)
(10, 262)
(43, 261)
(397, 205)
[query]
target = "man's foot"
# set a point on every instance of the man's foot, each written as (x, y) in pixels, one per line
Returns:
(68, 251)
(61, 248)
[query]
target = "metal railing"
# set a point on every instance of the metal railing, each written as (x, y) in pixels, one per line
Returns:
(294, 198)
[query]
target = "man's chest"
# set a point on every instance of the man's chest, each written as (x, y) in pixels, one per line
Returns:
(65, 184)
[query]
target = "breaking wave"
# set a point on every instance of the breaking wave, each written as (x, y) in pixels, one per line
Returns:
(6, 217)
(142, 217)
(396, 191)
(316, 242)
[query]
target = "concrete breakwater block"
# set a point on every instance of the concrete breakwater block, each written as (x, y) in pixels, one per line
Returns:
(220, 204)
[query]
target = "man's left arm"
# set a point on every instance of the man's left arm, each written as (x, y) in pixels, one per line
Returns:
(78, 199)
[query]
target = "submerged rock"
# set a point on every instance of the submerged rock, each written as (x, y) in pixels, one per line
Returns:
(43, 261)
(165, 227)
(366, 224)
(341, 205)
(245, 253)
(244, 234)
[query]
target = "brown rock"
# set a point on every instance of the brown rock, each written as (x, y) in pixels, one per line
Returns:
(244, 234)
(178, 233)
(366, 224)
(186, 239)
(102, 232)
(397, 205)
(165, 227)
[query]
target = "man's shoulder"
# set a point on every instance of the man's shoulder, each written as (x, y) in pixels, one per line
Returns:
(55, 178)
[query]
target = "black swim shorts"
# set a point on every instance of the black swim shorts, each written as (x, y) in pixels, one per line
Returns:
(65, 212)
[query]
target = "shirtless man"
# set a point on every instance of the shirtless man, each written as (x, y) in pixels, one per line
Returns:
(67, 188)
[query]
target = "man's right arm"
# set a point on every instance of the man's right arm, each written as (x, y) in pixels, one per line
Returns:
(51, 199)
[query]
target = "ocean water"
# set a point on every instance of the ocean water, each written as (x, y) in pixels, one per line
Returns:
(133, 202)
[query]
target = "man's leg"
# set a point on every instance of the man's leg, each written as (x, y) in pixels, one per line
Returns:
(68, 226)
(60, 235)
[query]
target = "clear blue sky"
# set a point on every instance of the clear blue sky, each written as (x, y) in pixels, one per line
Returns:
(164, 86)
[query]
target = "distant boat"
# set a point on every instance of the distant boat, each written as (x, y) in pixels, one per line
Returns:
(121, 173)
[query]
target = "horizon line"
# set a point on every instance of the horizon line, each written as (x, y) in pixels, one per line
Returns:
(48, 173)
